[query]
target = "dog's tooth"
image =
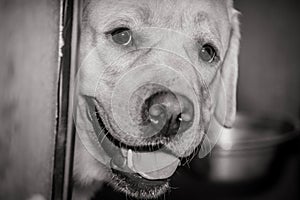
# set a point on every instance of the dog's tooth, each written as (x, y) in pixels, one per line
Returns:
(124, 152)
(154, 121)
(129, 159)
(113, 165)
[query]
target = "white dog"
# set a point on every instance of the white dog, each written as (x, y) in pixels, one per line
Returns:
(154, 76)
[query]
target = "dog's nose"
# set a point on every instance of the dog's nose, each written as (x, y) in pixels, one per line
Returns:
(169, 113)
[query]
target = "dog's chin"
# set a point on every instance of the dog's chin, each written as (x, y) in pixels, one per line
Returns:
(130, 183)
(134, 185)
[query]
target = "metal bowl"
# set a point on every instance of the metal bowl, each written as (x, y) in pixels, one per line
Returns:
(247, 151)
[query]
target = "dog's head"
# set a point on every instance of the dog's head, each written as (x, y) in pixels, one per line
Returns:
(155, 80)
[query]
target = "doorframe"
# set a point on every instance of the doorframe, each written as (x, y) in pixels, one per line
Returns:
(65, 128)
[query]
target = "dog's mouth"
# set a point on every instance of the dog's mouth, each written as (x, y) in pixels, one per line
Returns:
(140, 171)
(154, 144)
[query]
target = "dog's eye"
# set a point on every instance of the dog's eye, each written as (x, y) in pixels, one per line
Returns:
(122, 36)
(207, 53)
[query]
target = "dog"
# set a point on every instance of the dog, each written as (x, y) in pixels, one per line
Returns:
(157, 80)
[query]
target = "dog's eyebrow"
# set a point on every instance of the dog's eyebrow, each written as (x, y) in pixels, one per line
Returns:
(144, 14)
(134, 16)
(201, 17)
(202, 21)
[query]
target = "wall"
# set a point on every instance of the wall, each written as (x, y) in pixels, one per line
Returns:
(28, 88)
(269, 60)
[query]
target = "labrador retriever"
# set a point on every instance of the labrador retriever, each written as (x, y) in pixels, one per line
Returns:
(156, 82)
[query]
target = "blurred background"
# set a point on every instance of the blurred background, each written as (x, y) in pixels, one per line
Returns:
(269, 79)
(258, 159)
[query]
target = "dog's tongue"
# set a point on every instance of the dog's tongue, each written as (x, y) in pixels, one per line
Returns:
(153, 165)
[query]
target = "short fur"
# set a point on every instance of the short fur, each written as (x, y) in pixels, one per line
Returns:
(172, 25)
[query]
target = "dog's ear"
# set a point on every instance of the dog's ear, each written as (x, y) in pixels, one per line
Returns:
(226, 105)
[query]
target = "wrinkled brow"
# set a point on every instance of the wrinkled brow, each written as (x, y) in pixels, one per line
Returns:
(144, 14)
(200, 18)
(139, 14)
(136, 14)
(203, 20)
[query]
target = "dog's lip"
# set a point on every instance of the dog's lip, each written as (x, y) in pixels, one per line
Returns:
(138, 187)
(135, 177)
(153, 146)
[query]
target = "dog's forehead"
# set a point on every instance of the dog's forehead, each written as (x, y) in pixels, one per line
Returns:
(162, 12)
(189, 16)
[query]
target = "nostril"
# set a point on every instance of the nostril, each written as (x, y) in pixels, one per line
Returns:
(186, 117)
(156, 110)
(157, 116)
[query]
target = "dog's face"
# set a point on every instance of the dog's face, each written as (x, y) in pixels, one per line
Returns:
(153, 77)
